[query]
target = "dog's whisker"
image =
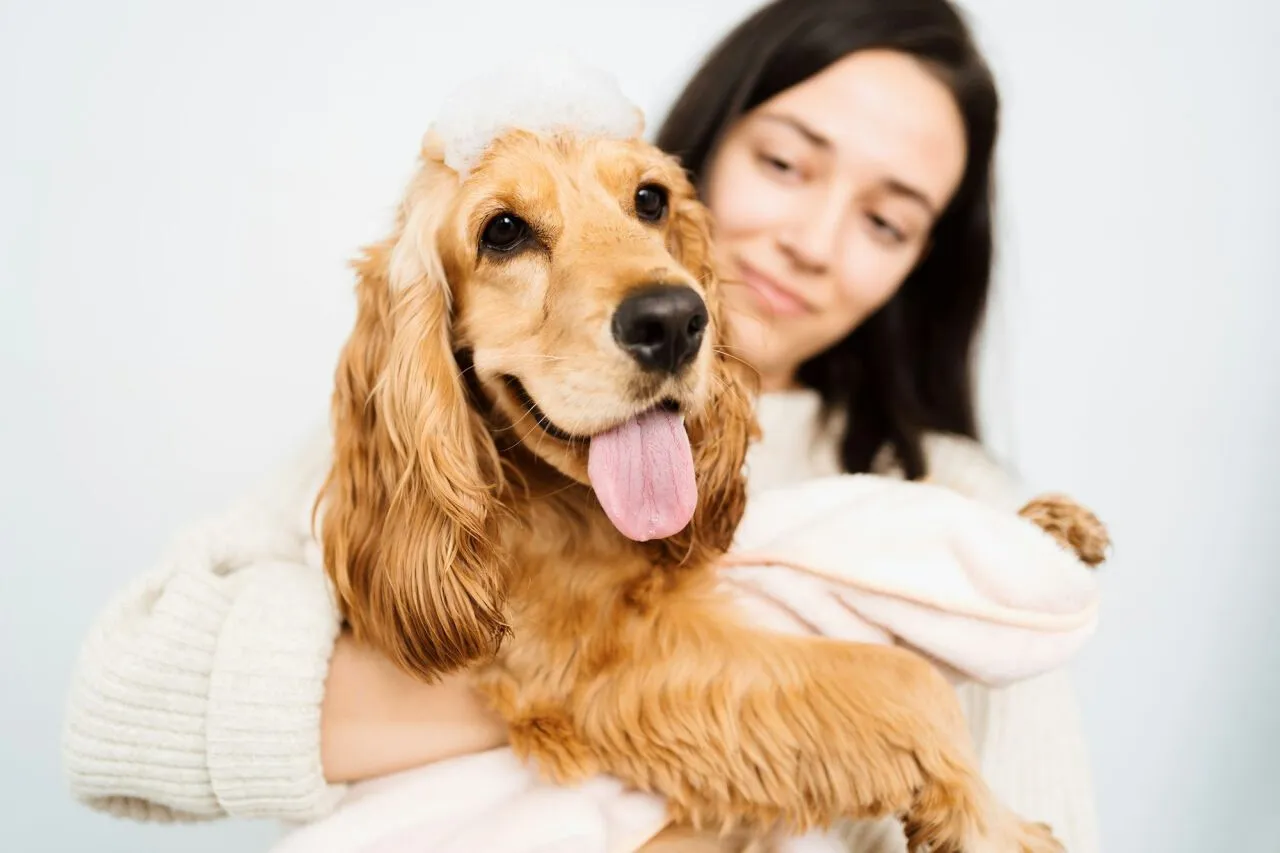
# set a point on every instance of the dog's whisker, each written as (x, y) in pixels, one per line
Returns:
(533, 356)
(727, 354)
(567, 487)
(516, 359)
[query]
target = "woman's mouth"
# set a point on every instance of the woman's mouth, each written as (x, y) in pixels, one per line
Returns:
(774, 296)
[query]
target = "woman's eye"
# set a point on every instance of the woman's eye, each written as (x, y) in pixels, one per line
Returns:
(886, 229)
(504, 233)
(776, 163)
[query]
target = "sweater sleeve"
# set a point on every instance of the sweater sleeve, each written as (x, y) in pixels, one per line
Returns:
(1033, 754)
(198, 688)
(1028, 734)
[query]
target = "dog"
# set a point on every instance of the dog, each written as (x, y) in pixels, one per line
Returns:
(539, 442)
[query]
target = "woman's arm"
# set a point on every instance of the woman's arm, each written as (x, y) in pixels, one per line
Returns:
(1028, 734)
(220, 683)
(377, 719)
(197, 695)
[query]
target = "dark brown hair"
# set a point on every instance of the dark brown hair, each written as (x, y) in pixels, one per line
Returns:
(908, 369)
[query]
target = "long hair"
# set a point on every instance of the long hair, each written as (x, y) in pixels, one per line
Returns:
(908, 368)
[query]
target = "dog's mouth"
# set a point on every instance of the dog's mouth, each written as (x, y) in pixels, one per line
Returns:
(641, 470)
(526, 402)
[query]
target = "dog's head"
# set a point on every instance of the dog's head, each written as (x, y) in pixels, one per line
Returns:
(557, 299)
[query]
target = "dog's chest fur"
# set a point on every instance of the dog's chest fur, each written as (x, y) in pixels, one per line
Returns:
(579, 591)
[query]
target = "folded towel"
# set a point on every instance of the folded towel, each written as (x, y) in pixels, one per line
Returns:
(872, 559)
(987, 595)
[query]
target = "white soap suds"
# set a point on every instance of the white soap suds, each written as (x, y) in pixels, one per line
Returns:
(550, 92)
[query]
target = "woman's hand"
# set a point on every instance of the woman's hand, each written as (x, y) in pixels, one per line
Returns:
(377, 719)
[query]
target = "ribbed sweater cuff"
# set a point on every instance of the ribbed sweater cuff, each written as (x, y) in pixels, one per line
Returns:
(134, 740)
(265, 695)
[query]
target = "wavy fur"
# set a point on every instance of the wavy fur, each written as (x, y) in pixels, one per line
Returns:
(410, 503)
(452, 519)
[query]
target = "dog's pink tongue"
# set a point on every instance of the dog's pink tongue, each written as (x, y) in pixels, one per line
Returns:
(642, 472)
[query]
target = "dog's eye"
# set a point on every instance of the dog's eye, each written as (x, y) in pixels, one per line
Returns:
(504, 233)
(651, 202)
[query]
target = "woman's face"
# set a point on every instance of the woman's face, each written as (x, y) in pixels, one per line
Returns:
(824, 198)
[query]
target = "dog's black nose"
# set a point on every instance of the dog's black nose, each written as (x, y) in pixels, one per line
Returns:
(661, 326)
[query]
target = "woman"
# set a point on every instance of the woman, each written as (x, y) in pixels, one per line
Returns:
(845, 148)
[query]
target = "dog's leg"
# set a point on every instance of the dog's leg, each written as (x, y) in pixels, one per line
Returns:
(736, 728)
(800, 733)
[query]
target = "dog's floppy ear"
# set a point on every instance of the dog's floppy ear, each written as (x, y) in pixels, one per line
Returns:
(407, 510)
(720, 436)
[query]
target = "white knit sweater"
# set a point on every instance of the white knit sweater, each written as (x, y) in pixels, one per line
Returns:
(198, 690)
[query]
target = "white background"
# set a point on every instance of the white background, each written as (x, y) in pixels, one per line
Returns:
(181, 184)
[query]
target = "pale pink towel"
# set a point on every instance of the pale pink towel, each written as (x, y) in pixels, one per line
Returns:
(872, 559)
(988, 595)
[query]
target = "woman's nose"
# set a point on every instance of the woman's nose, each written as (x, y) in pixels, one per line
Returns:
(810, 242)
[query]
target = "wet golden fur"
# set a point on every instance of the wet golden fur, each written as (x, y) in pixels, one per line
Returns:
(459, 533)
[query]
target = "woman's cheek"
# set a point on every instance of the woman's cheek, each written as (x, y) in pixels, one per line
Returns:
(745, 203)
(869, 275)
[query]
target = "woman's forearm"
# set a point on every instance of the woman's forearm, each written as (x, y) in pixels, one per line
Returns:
(378, 719)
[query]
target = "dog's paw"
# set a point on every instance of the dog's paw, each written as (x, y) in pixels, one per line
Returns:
(1038, 838)
(1071, 524)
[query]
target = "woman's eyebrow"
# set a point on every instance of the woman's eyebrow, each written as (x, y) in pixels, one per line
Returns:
(905, 190)
(893, 186)
(796, 124)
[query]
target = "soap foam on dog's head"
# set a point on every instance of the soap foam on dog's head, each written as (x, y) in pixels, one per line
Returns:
(547, 93)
